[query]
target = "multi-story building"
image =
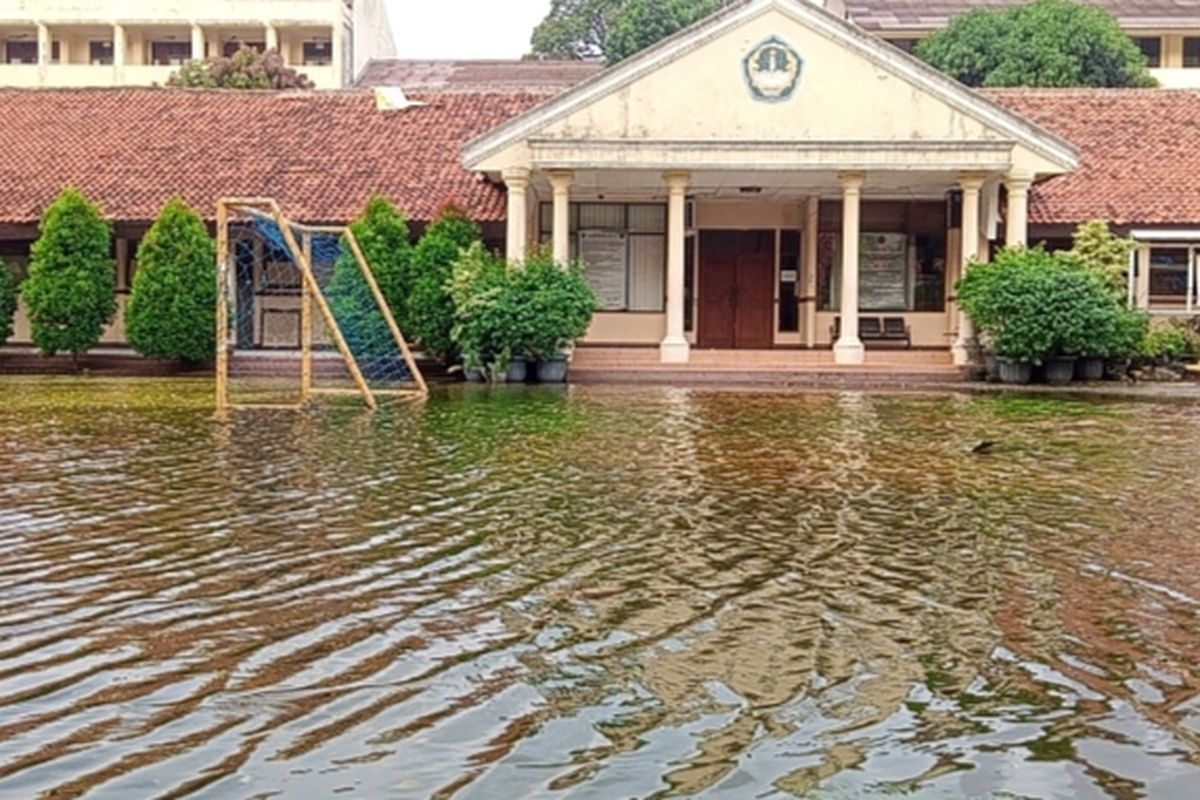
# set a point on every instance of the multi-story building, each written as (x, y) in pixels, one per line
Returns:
(1167, 31)
(70, 43)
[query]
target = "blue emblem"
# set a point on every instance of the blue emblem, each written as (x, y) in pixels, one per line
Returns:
(773, 70)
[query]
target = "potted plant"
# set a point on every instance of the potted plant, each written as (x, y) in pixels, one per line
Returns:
(554, 306)
(480, 332)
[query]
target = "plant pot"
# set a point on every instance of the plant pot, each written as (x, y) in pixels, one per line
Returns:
(1090, 369)
(991, 365)
(1060, 370)
(552, 370)
(474, 374)
(1013, 371)
(518, 370)
(497, 374)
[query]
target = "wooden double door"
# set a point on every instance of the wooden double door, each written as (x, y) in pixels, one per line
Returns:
(736, 290)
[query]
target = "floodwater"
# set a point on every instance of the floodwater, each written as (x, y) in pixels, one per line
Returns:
(597, 593)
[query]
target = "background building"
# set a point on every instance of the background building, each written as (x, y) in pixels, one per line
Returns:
(70, 43)
(1167, 31)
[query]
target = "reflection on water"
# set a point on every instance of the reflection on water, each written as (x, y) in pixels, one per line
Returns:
(597, 593)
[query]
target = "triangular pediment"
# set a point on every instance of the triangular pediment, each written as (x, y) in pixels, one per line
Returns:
(773, 71)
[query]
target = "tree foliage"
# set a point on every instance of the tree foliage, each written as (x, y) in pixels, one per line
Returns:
(8, 301)
(172, 308)
(430, 316)
(613, 29)
(245, 69)
(1045, 43)
(643, 23)
(71, 286)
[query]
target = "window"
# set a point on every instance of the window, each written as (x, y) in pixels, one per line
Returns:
(907, 45)
(100, 53)
(169, 54)
(1191, 51)
(789, 282)
(318, 54)
(21, 53)
(1168, 275)
(1151, 47)
(623, 248)
(897, 272)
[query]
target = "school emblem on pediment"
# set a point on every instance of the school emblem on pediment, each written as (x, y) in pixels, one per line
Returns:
(773, 70)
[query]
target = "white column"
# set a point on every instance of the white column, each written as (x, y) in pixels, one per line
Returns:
(198, 42)
(1141, 292)
(560, 182)
(45, 44)
(675, 348)
(1016, 223)
(849, 348)
(119, 46)
(812, 230)
(517, 232)
(272, 37)
(971, 184)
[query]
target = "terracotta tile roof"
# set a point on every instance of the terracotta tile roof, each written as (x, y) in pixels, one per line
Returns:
(472, 76)
(322, 154)
(1139, 159)
(923, 15)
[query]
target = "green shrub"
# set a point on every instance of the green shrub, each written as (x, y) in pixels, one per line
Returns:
(1098, 251)
(556, 304)
(382, 233)
(1169, 343)
(1033, 305)
(430, 314)
(172, 308)
(1132, 329)
(71, 286)
(8, 301)
(484, 331)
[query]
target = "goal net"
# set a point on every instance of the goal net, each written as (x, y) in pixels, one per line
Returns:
(301, 315)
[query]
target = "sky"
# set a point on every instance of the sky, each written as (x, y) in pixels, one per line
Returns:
(464, 28)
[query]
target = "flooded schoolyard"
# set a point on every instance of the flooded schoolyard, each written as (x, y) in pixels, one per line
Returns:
(597, 593)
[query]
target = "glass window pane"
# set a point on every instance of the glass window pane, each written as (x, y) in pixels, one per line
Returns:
(1168, 272)
(1191, 51)
(648, 219)
(546, 219)
(601, 217)
(647, 265)
(1151, 47)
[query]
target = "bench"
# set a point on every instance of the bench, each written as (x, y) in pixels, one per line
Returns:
(877, 330)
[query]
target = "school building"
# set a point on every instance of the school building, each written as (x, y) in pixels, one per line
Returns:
(775, 178)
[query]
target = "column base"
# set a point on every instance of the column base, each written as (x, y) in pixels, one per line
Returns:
(675, 351)
(963, 352)
(849, 350)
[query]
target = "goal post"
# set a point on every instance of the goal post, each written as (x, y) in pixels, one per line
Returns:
(300, 314)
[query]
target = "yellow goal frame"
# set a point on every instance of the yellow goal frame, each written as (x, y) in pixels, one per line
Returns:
(268, 209)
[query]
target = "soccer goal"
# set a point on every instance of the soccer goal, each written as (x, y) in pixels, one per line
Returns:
(300, 314)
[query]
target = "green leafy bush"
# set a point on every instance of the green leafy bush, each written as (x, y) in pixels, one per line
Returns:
(172, 308)
(556, 303)
(1044, 43)
(1098, 251)
(8, 301)
(484, 328)
(382, 233)
(1033, 305)
(430, 314)
(71, 286)
(1169, 343)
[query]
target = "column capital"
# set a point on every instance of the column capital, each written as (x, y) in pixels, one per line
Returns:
(561, 178)
(972, 181)
(677, 180)
(515, 176)
(1018, 181)
(852, 179)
